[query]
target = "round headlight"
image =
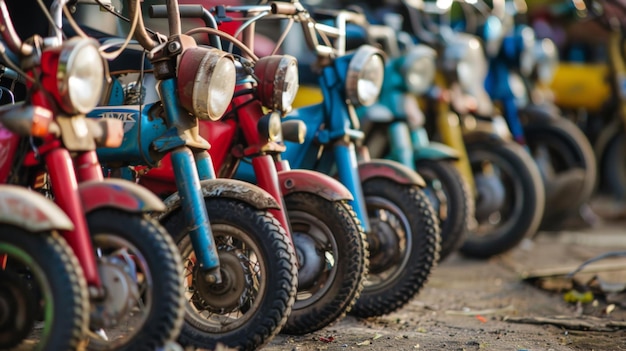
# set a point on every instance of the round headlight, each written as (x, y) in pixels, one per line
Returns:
(472, 67)
(528, 55)
(80, 75)
(206, 82)
(419, 69)
(278, 81)
(365, 76)
(547, 57)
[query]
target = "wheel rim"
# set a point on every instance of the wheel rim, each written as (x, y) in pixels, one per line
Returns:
(488, 165)
(130, 289)
(314, 236)
(229, 305)
(41, 285)
(391, 228)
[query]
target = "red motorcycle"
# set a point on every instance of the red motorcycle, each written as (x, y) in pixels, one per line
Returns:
(131, 265)
(37, 265)
(329, 241)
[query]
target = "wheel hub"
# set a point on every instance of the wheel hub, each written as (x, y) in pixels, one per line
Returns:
(119, 280)
(491, 196)
(17, 310)
(383, 245)
(232, 292)
(310, 262)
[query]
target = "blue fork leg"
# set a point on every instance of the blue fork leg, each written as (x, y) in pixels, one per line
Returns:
(195, 212)
(348, 169)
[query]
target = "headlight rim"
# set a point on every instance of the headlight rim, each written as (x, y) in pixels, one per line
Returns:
(415, 54)
(271, 91)
(355, 67)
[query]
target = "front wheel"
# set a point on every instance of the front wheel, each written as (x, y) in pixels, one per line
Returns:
(40, 279)
(141, 271)
(259, 277)
(332, 256)
(404, 245)
(452, 200)
(510, 197)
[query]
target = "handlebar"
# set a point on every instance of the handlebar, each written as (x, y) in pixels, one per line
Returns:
(9, 35)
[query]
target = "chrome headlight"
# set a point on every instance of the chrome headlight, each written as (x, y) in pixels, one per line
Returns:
(365, 76)
(278, 81)
(270, 127)
(79, 75)
(472, 66)
(547, 57)
(206, 82)
(528, 55)
(419, 69)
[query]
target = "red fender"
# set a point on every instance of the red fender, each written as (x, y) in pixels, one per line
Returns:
(390, 169)
(118, 193)
(301, 180)
(30, 210)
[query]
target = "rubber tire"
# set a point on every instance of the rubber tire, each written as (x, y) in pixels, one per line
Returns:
(574, 148)
(525, 171)
(351, 262)
(423, 255)
(163, 260)
(460, 202)
(50, 253)
(281, 266)
(613, 166)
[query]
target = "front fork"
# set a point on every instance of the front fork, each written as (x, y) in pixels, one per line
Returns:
(348, 170)
(267, 179)
(187, 174)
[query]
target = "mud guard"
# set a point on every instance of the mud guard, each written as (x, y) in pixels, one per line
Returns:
(435, 151)
(31, 211)
(390, 169)
(317, 183)
(120, 194)
(228, 188)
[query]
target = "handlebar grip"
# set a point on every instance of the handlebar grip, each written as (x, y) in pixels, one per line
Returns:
(283, 8)
(186, 11)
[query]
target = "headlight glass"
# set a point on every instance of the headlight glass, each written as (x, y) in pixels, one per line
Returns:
(365, 76)
(278, 81)
(547, 58)
(528, 55)
(472, 67)
(419, 69)
(80, 75)
(206, 82)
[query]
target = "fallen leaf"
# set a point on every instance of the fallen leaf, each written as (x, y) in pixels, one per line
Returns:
(377, 336)
(328, 339)
(481, 318)
(365, 342)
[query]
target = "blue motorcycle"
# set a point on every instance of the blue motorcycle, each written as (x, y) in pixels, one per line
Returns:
(240, 268)
(401, 227)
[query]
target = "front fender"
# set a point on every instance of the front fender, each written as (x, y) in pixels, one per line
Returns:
(300, 180)
(389, 169)
(32, 211)
(436, 151)
(228, 188)
(118, 193)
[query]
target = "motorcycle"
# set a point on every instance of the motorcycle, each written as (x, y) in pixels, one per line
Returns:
(506, 182)
(240, 267)
(37, 267)
(131, 265)
(395, 129)
(399, 221)
(329, 241)
(563, 153)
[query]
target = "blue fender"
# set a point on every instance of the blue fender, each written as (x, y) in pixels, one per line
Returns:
(31, 211)
(389, 169)
(118, 193)
(300, 180)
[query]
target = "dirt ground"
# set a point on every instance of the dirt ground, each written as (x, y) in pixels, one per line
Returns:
(500, 304)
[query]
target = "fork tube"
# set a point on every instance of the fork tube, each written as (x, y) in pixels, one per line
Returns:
(267, 179)
(204, 165)
(88, 166)
(194, 208)
(348, 169)
(65, 189)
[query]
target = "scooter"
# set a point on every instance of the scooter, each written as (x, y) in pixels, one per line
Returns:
(507, 184)
(240, 267)
(37, 264)
(563, 153)
(130, 263)
(395, 129)
(399, 221)
(329, 241)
